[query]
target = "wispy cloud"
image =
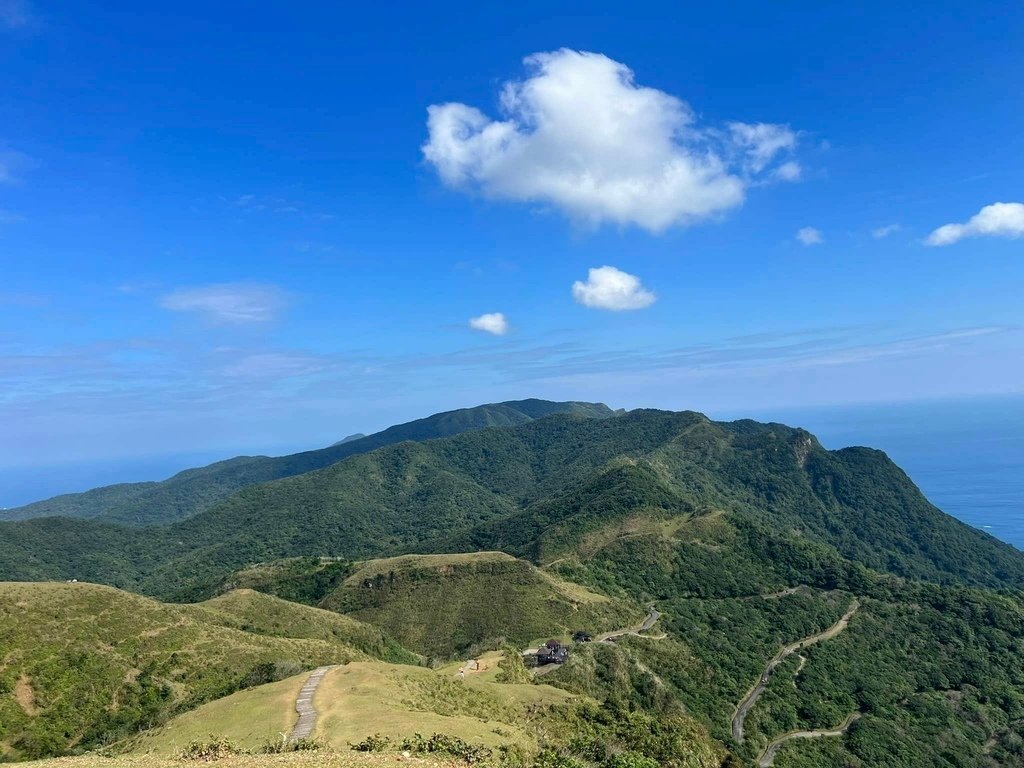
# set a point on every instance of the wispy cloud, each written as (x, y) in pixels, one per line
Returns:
(228, 303)
(114, 387)
(810, 236)
(882, 232)
(252, 203)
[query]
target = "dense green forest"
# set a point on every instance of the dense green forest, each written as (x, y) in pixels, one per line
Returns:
(569, 474)
(868, 614)
(196, 490)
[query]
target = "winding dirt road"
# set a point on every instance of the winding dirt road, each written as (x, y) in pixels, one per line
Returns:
(646, 624)
(787, 650)
(609, 637)
(767, 757)
(304, 705)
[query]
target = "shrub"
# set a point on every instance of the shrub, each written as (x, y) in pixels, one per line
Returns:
(374, 743)
(287, 745)
(445, 744)
(208, 751)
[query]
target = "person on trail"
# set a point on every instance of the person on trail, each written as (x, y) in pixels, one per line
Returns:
(462, 673)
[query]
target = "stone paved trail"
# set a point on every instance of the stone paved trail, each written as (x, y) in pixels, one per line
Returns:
(304, 705)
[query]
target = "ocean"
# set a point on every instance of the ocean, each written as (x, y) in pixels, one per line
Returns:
(966, 456)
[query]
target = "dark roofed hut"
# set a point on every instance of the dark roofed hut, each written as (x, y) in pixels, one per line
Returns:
(552, 652)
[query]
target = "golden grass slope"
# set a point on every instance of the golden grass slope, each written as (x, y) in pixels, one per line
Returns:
(369, 697)
(82, 664)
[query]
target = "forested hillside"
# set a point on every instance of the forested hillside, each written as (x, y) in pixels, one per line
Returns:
(196, 490)
(477, 491)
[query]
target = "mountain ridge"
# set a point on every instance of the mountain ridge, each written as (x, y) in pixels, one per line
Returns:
(195, 490)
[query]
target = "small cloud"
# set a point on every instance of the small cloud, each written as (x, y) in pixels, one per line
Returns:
(610, 288)
(228, 303)
(491, 322)
(810, 236)
(580, 134)
(996, 220)
(762, 142)
(790, 171)
(881, 232)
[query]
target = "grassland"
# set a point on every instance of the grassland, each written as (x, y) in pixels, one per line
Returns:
(248, 718)
(369, 697)
(345, 759)
(454, 605)
(84, 664)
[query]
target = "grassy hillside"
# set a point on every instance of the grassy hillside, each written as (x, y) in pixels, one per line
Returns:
(364, 698)
(445, 605)
(83, 664)
(515, 720)
(346, 759)
(195, 490)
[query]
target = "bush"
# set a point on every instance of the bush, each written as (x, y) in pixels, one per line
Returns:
(374, 743)
(208, 751)
(442, 743)
(287, 745)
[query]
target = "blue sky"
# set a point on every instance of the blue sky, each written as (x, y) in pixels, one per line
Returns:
(230, 229)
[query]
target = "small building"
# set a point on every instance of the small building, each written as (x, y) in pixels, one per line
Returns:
(552, 652)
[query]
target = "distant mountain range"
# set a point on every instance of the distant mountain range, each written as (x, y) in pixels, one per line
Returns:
(196, 490)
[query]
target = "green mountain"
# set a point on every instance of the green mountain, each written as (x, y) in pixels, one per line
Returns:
(85, 664)
(475, 490)
(196, 490)
(445, 605)
(816, 610)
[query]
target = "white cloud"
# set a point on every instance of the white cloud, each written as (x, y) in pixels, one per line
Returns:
(789, 171)
(228, 303)
(611, 288)
(490, 322)
(762, 142)
(996, 220)
(885, 231)
(580, 134)
(810, 236)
